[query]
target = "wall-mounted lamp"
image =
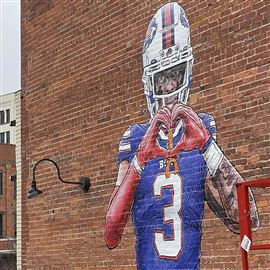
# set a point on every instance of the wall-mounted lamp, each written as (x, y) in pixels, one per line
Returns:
(13, 123)
(13, 178)
(84, 182)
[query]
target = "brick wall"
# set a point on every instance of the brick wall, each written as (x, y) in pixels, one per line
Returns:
(81, 86)
(7, 200)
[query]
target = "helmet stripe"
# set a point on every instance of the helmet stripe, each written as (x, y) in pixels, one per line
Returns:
(163, 25)
(167, 21)
(172, 18)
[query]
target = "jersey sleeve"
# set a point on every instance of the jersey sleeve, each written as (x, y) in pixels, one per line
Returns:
(125, 150)
(210, 124)
(130, 141)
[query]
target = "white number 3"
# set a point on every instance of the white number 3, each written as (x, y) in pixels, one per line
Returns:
(169, 248)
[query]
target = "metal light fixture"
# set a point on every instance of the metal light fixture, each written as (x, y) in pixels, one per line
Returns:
(12, 123)
(84, 182)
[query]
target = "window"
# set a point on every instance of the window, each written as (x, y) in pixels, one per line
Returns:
(1, 183)
(7, 115)
(8, 137)
(2, 117)
(15, 189)
(2, 137)
(1, 225)
(15, 224)
(5, 137)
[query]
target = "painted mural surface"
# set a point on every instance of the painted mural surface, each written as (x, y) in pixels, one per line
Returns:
(170, 165)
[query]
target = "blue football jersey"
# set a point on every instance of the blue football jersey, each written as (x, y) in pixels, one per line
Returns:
(168, 208)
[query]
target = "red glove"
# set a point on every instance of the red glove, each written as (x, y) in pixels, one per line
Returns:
(195, 134)
(149, 147)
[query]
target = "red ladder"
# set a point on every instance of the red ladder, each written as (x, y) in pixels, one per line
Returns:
(244, 215)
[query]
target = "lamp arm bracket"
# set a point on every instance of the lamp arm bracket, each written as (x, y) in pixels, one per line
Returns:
(58, 171)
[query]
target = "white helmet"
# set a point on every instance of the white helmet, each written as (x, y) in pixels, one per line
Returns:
(166, 47)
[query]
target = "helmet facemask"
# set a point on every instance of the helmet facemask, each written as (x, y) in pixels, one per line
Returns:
(169, 86)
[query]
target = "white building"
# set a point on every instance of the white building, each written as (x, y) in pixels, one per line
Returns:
(10, 132)
(8, 117)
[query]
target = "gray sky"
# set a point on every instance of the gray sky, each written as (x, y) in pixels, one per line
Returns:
(10, 46)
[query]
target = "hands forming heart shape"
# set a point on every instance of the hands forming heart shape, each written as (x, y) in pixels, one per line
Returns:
(195, 134)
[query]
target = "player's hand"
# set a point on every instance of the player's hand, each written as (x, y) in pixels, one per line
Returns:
(195, 134)
(149, 147)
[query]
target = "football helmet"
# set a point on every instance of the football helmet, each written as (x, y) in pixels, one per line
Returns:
(167, 54)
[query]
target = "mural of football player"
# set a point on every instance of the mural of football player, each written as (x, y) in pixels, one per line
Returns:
(171, 165)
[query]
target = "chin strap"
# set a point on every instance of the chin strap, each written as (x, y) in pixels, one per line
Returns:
(171, 161)
(163, 136)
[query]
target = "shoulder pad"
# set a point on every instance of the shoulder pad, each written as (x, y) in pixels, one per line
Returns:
(209, 123)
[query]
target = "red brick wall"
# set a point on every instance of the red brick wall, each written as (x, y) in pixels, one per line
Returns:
(7, 200)
(81, 83)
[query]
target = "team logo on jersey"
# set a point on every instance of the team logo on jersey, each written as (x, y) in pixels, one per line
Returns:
(150, 34)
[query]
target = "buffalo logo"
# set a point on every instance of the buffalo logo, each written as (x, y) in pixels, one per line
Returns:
(183, 18)
(150, 34)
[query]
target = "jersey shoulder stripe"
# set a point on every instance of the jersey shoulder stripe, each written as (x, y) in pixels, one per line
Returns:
(130, 141)
(123, 147)
(126, 134)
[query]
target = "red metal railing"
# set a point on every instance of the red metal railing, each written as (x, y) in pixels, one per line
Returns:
(244, 215)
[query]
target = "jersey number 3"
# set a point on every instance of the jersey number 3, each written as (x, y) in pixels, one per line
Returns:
(169, 247)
